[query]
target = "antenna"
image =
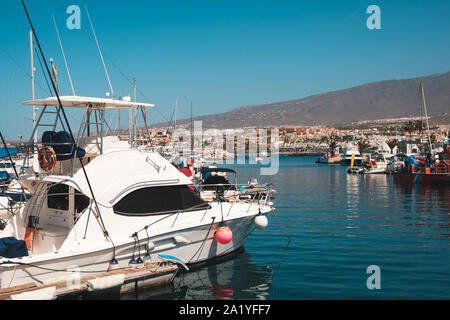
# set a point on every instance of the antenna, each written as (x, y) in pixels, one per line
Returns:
(100, 52)
(32, 86)
(64, 56)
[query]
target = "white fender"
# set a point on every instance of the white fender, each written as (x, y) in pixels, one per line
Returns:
(261, 222)
(40, 294)
(105, 282)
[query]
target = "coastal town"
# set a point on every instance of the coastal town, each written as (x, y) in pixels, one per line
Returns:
(405, 135)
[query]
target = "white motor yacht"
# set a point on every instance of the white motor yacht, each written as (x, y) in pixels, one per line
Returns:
(349, 151)
(107, 209)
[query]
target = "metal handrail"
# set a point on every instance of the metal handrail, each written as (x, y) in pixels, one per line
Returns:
(267, 191)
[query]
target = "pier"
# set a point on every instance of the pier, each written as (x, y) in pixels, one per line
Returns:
(128, 279)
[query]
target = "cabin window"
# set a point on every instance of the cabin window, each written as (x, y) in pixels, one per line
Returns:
(58, 197)
(81, 202)
(159, 200)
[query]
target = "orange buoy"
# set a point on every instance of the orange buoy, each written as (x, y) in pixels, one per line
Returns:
(223, 234)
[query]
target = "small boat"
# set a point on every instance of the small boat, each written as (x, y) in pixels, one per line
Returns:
(328, 158)
(332, 155)
(396, 162)
(355, 170)
(431, 169)
(375, 164)
(349, 153)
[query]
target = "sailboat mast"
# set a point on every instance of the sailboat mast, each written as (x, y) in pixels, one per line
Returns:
(32, 85)
(118, 131)
(176, 106)
(426, 117)
(192, 135)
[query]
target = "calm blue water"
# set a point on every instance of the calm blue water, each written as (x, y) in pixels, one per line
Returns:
(339, 224)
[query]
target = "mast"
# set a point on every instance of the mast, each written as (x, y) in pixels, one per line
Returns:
(426, 117)
(176, 106)
(32, 85)
(192, 135)
(118, 133)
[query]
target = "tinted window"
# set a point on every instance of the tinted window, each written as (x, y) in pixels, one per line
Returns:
(158, 200)
(58, 197)
(81, 202)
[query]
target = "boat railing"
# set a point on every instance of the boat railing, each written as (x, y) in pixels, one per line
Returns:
(65, 153)
(443, 168)
(64, 201)
(262, 194)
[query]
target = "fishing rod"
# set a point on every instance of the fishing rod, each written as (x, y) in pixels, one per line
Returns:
(103, 53)
(9, 155)
(98, 215)
(12, 163)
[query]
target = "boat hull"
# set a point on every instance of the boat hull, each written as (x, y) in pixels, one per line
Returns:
(422, 178)
(348, 162)
(193, 245)
(334, 160)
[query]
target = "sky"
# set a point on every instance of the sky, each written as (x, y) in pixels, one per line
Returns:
(217, 54)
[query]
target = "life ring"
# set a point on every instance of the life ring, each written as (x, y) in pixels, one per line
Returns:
(47, 158)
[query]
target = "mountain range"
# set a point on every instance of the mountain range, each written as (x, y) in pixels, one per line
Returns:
(378, 100)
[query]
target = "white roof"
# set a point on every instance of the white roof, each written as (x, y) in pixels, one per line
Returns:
(116, 173)
(84, 102)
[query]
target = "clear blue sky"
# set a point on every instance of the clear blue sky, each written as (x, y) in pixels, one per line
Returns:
(219, 54)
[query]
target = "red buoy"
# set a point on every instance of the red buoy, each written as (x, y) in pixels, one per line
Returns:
(223, 234)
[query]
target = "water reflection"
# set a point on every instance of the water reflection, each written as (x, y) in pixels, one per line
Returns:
(230, 277)
(339, 225)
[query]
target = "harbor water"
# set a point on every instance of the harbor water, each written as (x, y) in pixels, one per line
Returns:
(338, 225)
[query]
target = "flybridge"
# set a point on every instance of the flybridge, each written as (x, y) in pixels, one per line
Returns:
(85, 145)
(87, 102)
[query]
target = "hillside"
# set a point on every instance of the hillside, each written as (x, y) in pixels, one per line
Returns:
(377, 100)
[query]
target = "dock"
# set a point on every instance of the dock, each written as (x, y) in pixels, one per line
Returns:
(129, 279)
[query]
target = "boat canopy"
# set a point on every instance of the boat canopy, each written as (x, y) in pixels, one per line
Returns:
(87, 102)
(115, 174)
(4, 153)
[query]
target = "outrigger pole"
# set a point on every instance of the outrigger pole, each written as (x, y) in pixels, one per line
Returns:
(100, 52)
(64, 56)
(98, 215)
